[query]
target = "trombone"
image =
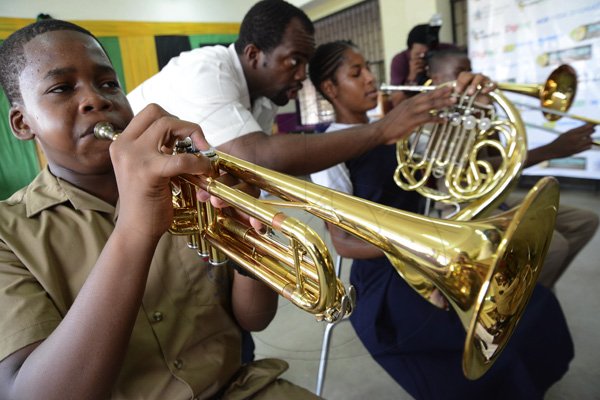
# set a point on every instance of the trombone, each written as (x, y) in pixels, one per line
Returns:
(556, 95)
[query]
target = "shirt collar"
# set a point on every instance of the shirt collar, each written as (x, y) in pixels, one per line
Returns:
(47, 190)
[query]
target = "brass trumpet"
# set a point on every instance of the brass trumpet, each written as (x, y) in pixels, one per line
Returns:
(486, 269)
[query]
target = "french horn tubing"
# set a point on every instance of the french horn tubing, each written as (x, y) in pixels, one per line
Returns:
(455, 154)
(486, 269)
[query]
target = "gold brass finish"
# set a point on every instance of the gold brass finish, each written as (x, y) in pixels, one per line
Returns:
(301, 271)
(456, 154)
(556, 94)
(486, 269)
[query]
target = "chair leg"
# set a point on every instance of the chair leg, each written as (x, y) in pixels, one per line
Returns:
(324, 357)
(326, 339)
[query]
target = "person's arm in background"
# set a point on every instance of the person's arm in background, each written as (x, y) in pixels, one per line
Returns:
(349, 246)
(254, 303)
(346, 245)
(300, 154)
(405, 71)
(566, 144)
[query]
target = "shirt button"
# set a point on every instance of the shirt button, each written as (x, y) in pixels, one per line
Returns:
(178, 363)
(157, 316)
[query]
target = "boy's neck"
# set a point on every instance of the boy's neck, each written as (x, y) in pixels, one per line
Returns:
(104, 186)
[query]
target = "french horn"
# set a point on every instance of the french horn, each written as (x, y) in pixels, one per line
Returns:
(486, 269)
(476, 156)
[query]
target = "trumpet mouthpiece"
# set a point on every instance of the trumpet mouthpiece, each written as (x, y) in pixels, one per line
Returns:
(105, 131)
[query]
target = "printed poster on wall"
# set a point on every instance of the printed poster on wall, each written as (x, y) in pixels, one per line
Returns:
(524, 41)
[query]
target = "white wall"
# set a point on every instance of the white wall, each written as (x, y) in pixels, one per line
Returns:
(397, 19)
(133, 10)
(398, 16)
(317, 9)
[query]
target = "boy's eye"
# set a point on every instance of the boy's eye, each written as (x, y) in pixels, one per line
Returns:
(111, 84)
(60, 89)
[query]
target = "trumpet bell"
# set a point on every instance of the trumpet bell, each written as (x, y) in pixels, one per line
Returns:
(486, 269)
(511, 278)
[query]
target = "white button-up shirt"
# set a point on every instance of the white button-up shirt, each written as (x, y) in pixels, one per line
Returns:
(207, 86)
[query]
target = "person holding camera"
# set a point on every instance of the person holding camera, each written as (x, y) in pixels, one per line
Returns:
(409, 66)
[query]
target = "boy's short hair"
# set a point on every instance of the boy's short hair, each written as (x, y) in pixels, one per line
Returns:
(265, 23)
(12, 54)
(437, 59)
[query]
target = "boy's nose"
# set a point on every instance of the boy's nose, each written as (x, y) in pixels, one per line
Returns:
(93, 100)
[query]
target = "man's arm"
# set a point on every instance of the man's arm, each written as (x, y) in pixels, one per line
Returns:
(350, 246)
(304, 154)
(300, 154)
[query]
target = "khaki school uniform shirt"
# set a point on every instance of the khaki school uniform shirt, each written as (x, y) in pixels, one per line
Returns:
(185, 343)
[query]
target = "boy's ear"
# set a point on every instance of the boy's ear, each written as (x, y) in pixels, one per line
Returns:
(252, 55)
(18, 125)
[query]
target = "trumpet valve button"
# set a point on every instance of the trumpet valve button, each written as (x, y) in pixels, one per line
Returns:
(455, 119)
(485, 124)
(470, 122)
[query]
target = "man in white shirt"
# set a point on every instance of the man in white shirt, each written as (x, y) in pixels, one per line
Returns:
(233, 94)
